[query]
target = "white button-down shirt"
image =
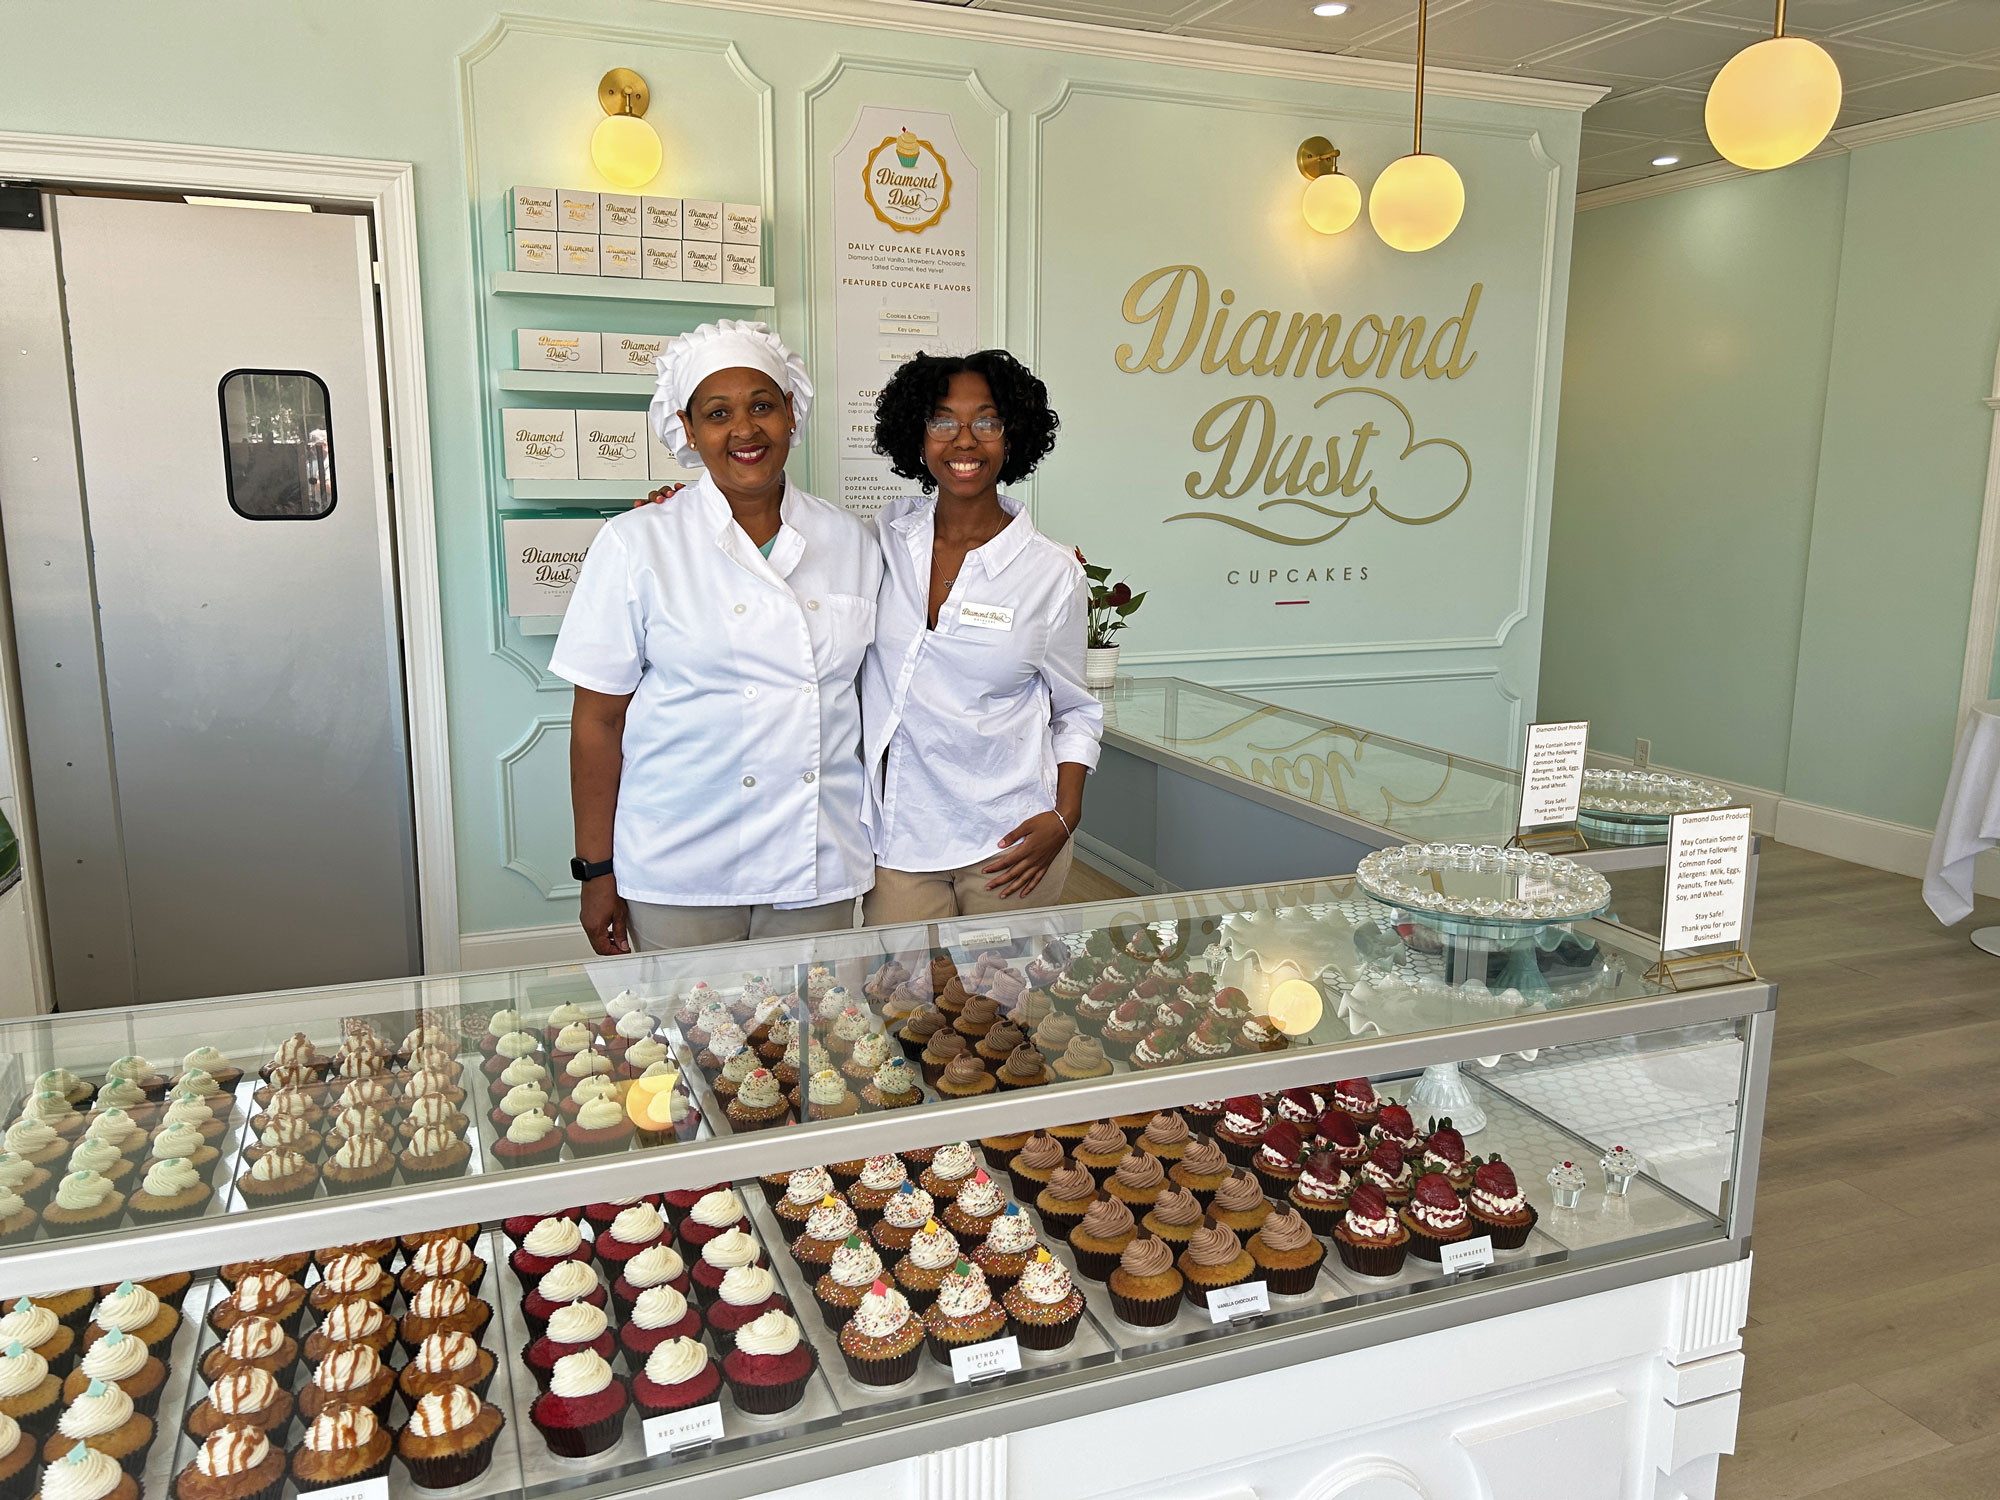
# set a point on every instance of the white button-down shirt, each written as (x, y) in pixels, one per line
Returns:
(742, 780)
(965, 724)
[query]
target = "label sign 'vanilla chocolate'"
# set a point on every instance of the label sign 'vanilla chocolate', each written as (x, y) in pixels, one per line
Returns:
(1245, 1300)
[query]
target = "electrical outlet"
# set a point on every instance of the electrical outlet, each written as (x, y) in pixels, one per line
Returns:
(1642, 754)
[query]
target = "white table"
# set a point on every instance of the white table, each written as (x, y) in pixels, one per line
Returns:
(1968, 823)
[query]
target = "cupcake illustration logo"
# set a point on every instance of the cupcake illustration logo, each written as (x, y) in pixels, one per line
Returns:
(907, 182)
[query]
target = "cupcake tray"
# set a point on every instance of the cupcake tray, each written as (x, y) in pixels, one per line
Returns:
(180, 1392)
(932, 1381)
(185, 1389)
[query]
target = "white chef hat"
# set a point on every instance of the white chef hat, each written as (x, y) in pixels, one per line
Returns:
(726, 344)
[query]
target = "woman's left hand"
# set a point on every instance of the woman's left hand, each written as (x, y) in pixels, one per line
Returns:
(1030, 850)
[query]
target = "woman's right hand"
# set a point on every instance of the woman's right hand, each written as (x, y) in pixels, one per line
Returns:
(604, 917)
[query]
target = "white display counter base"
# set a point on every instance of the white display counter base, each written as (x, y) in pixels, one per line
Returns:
(1623, 1395)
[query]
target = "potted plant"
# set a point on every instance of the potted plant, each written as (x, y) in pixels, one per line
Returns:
(1111, 605)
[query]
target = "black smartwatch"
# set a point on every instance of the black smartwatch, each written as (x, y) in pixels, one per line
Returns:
(581, 869)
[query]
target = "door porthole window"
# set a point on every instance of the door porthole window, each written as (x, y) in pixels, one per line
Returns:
(277, 445)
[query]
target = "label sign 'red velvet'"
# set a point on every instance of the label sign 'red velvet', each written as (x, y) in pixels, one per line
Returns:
(674, 1430)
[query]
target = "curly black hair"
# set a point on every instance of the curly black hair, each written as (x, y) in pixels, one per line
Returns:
(914, 391)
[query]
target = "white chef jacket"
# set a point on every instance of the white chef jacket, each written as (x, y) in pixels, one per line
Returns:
(964, 725)
(742, 780)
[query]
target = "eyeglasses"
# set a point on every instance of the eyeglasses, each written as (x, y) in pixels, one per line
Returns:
(944, 429)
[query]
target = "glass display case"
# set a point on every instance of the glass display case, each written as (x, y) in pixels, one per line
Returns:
(1091, 1155)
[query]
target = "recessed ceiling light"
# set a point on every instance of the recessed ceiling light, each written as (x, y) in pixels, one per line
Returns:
(1330, 8)
(1666, 161)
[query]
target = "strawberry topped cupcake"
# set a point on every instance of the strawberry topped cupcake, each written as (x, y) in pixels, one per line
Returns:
(1498, 1207)
(1371, 1238)
(1279, 1159)
(1444, 1153)
(1241, 1130)
(1320, 1194)
(1339, 1135)
(1355, 1098)
(1395, 1124)
(1435, 1217)
(1387, 1169)
(1300, 1108)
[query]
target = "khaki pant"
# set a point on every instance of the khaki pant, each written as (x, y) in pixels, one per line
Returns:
(930, 896)
(655, 928)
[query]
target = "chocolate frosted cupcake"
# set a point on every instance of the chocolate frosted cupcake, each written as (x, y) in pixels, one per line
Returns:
(1145, 1287)
(1106, 1228)
(1286, 1253)
(1052, 1034)
(894, 1086)
(964, 1077)
(883, 1340)
(1025, 1068)
(1137, 1181)
(1497, 1206)
(1201, 1170)
(1173, 1217)
(1370, 1238)
(1069, 1194)
(1239, 1204)
(1043, 1307)
(1165, 1138)
(1082, 1058)
(1320, 1195)
(917, 1030)
(1214, 1259)
(1029, 1168)
(999, 1043)
(979, 1015)
(938, 1053)
(1103, 1146)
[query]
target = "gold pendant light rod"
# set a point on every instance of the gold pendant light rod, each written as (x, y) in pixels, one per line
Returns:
(1423, 11)
(1779, 28)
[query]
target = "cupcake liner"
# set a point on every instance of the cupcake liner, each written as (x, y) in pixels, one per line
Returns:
(1371, 1260)
(270, 1491)
(1275, 1186)
(1292, 1281)
(1044, 1335)
(20, 1484)
(373, 1471)
(1322, 1221)
(832, 1314)
(1504, 1236)
(880, 1372)
(1026, 1189)
(1096, 1264)
(593, 1437)
(1146, 1312)
(1058, 1225)
(768, 1400)
(1198, 1295)
(450, 1469)
(1426, 1246)
(1239, 1153)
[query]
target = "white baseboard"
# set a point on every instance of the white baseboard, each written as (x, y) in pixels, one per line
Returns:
(1120, 867)
(1854, 837)
(523, 947)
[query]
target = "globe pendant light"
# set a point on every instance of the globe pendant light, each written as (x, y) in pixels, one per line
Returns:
(1773, 102)
(1418, 199)
(1332, 201)
(624, 147)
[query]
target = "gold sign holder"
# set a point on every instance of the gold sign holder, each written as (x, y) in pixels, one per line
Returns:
(1728, 966)
(1558, 838)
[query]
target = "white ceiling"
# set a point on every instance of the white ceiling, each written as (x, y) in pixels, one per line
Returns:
(1656, 56)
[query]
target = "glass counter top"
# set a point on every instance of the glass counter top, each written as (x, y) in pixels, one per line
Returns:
(1418, 793)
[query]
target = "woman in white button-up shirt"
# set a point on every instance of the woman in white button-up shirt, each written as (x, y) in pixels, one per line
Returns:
(715, 769)
(978, 728)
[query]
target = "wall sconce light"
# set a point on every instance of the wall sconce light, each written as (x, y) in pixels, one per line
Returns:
(1774, 101)
(625, 148)
(1418, 200)
(1332, 201)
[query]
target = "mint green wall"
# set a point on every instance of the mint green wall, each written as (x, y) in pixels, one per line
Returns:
(1773, 422)
(1693, 382)
(476, 109)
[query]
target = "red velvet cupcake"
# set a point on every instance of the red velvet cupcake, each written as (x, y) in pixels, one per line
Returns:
(583, 1410)
(571, 1330)
(566, 1282)
(677, 1374)
(518, 1226)
(714, 1213)
(720, 1256)
(636, 1229)
(660, 1266)
(747, 1293)
(660, 1314)
(546, 1246)
(768, 1369)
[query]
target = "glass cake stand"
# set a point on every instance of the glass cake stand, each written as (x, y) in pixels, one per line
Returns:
(1634, 807)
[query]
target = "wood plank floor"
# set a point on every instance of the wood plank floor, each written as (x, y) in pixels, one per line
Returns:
(1873, 1351)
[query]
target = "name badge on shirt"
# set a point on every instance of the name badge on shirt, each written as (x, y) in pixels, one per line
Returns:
(987, 616)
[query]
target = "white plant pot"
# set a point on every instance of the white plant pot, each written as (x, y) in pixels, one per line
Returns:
(1100, 666)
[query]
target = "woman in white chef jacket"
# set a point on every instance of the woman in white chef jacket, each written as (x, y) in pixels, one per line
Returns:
(979, 730)
(715, 770)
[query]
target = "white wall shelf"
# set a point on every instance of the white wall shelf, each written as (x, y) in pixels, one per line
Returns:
(586, 491)
(618, 289)
(568, 383)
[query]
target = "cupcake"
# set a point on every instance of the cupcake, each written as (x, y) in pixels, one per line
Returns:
(909, 1208)
(601, 1126)
(29, 1393)
(1043, 1307)
(1103, 1146)
(917, 1030)
(236, 1462)
(637, 1228)
(972, 1212)
(1444, 1154)
(1029, 1168)
(37, 1142)
(446, 1359)
(1063, 1203)
(434, 1152)
(827, 1229)
(1286, 1253)
(1435, 1217)
(720, 1256)
(1239, 1204)
(933, 1252)
(85, 1203)
(1370, 1238)
(863, 1059)
(1214, 1259)
(249, 1396)
(570, 1330)
(1320, 1194)
(1024, 1068)
(565, 1282)
(938, 1052)
(714, 1213)
(344, 1444)
(1211, 1038)
(1259, 1034)
(1202, 1169)
(252, 1344)
(362, 1162)
(661, 1265)
(1051, 1036)
(17, 1460)
(1137, 1181)
(1394, 1124)
(1145, 1288)
(894, 1086)
(137, 1311)
(1106, 1228)
(1242, 1129)
(351, 1278)
(1082, 1058)
(677, 1374)
(1386, 1168)
(28, 1182)
(855, 1266)
(999, 1044)
(264, 1294)
(1010, 1240)
(442, 1306)
(1355, 1098)
(530, 1138)
(881, 1177)
(1337, 1133)
(746, 1294)
(39, 1330)
(880, 1342)
(583, 1410)
(1280, 1158)
(171, 1189)
(825, 1096)
(759, 1102)
(542, 1248)
(1126, 1026)
(964, 1077)
(449, 1438)
(768, 1369)
(1173, 1217)
(1498, 1207)
(1165, 1138)
(446, 1259)
(951, 1167)
(352, 1375)
(963, 1314)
